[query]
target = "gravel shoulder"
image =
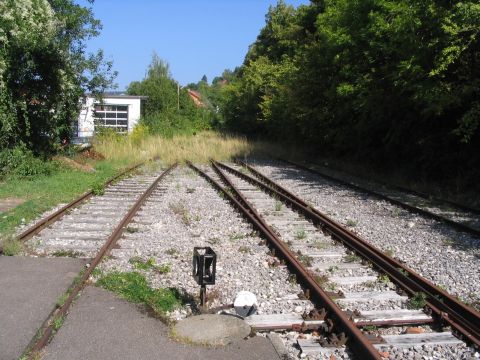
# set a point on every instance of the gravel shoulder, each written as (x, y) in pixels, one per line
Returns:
(439, 253)
(190, 214)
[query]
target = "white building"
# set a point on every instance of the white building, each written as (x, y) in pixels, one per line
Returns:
(120, 112)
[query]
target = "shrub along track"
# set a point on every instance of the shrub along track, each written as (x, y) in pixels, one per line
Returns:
(134, 192)
(344, 327)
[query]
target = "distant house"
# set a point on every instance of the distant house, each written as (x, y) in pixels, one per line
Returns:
(117, 111)
(196, 97)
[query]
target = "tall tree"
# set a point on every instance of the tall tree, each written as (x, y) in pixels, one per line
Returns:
(166, 109)
(44, 70)
(381, 81)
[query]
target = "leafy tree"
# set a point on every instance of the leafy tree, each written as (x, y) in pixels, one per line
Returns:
(166, 110)
(390, 83)
(158, 85)
(44, 70)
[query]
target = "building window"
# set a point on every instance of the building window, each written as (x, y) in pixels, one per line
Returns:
(114, 116)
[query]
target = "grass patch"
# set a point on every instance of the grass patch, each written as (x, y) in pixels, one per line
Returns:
(332, 269)
(244, 249)
(300, 234)
(131, 230)
(396, 212)
(320, 279)
(181, 210)
(43, 192)
(98, 189)
(304, 259)
(448, 241)
(370, 328)
(62, 299)
(171, 252)
(320, 245)
(384, 279)
(57, 323)
(133, 286)
(351, 223)
(417, 301)
(12, 247)
(389, 252)
(403, 271)
(278, 205)
(237, 237)
(140, 264)
(68, 253)
(199, 148)
(350, 258)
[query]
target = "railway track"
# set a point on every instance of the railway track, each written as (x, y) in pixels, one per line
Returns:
(458, 216)
(91, 230)
(46, 221)
(354, 285)
(363, 299)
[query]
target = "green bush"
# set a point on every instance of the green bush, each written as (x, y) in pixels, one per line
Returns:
(168, 124)
(21, 162)
(139, 132)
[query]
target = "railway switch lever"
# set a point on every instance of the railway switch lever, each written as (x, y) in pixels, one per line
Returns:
(204, 268)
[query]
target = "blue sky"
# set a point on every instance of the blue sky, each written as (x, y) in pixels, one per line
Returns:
(195, 37)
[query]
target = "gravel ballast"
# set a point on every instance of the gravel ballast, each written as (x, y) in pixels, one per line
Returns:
(185, 211)
(190, 214)
(441, 254)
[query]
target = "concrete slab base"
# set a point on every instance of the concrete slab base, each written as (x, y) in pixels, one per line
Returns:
(29, 290)
(102, 326)
(212, 330)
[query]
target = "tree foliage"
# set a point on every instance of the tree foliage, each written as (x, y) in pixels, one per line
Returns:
(382, 81)
(168, 109)
(44, 70)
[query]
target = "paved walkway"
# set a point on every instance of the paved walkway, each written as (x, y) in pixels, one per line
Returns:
(29, 290)
(102, 326)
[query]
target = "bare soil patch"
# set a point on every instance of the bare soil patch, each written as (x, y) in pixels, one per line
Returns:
(74, 164)
(9, 203)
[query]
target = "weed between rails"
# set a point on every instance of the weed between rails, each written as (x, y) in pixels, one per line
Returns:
(149, 264)
(417, 301)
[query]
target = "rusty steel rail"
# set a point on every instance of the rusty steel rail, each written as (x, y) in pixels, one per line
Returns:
(48, 330)
(57, 215)
(464, 319)
(355, 338)
(459, 226)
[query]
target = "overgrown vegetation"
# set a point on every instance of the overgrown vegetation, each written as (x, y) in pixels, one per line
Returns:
(350, 258)
(149, 264)
(391, 84)
(68, 253)
(11, 247)
(417, 301)
(300, 234)
(199, 148)
(169, 110)
(133, 287)
(42, 192)
(44, 70)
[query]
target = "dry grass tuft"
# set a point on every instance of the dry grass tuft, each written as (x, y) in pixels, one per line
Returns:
(198, 148)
